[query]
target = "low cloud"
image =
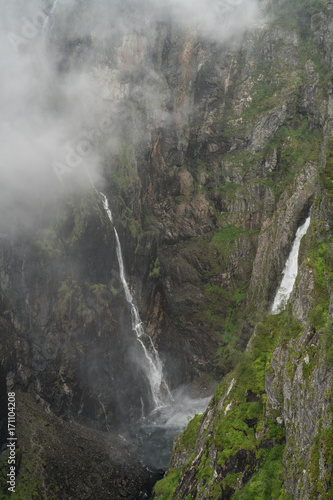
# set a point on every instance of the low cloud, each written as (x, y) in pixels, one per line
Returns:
(48, 105)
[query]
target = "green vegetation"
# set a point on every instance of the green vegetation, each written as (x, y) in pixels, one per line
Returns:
(124, 174)
(69, 298)
(189, 436)
(241, 426)
(320, 260)
(206, 263)
(48, 246)
(326, 174)
(287, 14)
(80, 214)
(29, 484)
(223, 299)
(327, 335)
(296, 145)
(205, 472)
(97, 288)
(264, 94)
(236, 430)
(129, 222)
(321, 448)
(267, 483)
(165, 488)
(228, 234)
(228, 189)
(155, 270)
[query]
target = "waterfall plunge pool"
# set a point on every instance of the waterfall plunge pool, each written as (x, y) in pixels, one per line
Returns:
(154, 434)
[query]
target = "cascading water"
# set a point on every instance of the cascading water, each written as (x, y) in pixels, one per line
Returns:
(154, 433)
(290, 271)
(152, 365)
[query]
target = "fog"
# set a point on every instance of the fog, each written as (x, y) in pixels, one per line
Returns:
(71, 71)
(51, 99)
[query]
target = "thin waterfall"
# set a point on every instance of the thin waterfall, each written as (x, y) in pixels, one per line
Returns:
(152, 365)
(290, 271)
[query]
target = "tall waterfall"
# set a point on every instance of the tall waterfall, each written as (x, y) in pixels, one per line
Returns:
(290, 271)
(151, 365)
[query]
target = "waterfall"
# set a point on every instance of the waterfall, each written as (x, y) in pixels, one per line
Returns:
(290, 271)
(151, 365)
(47, 20)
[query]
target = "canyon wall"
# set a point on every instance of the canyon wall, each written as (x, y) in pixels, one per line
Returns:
(216, 150)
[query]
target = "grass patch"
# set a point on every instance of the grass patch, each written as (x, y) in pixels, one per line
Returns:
(267, 483)
(165, 488)
(190, 434)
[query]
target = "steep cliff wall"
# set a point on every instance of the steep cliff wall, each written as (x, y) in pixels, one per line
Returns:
(267, 432)
(215, 151)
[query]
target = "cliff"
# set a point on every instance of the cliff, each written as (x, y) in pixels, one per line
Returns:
(215, 150)
(267, 432)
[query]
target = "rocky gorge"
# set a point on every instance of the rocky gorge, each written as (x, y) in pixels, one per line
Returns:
(212, 148)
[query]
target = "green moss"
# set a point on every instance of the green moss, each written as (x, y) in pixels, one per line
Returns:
(228, 189)
(275, 432)
(165, 488)
(155, 270)
(232, 436)
(320, 260)
(100, 287)
(314, 468)
(327, 334)
(288, 14)
(74, 219)
(267, 483)
(69, 299)
(218, 300)
(29, 478)
(124, 174)
(188, 437)
(242, 418)
(264, 94)
(205, 472)
(296, 144)
(48, 245)
(129, 222)
(327, 445)
(235, 430)
(231, 480)
(326, 173)
(227, 234)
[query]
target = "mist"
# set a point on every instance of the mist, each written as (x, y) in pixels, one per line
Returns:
(80, 81)
(51, 99)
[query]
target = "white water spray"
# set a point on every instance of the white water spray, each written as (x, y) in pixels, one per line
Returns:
(290, 271)
(152, 365)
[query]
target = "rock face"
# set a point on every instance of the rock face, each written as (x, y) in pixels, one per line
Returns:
(267, 432)
(216, 153)
(69, 461)
(268, 429)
